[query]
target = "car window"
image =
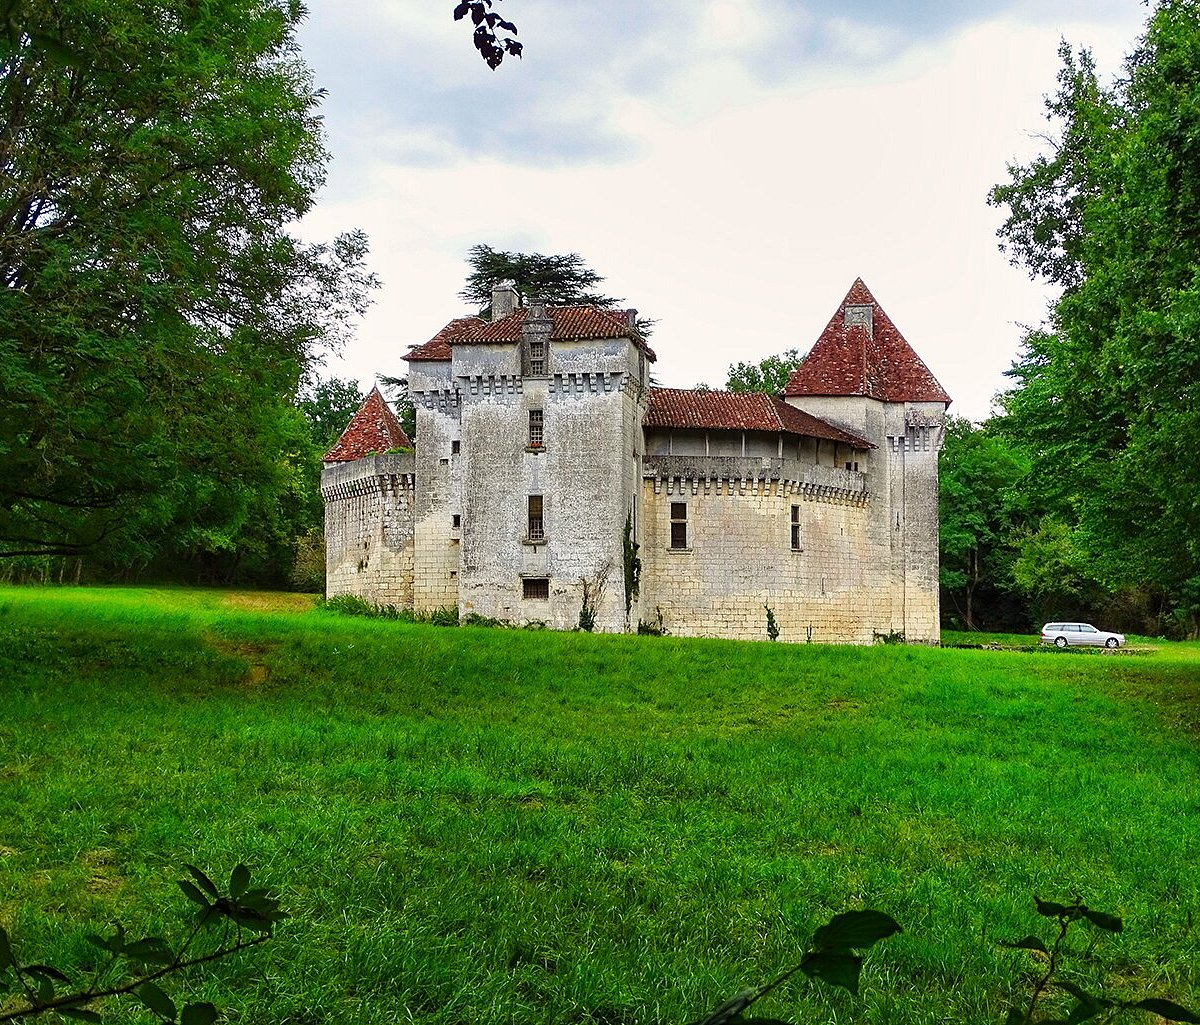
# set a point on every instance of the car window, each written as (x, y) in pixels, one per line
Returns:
(1086, 629)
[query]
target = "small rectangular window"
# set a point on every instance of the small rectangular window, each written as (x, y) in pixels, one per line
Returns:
(454, 447)
(536, 526)
(536, 588)
(679, 525)
(537, 357)
(795, 528)
(852, 466)
(535, 428)
(456, 521)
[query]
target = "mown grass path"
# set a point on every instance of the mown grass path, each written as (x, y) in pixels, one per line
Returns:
(497, 826)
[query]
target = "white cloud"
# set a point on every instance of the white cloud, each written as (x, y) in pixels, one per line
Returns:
(735, 205)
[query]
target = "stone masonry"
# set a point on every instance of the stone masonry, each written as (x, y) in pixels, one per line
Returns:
(538, 440)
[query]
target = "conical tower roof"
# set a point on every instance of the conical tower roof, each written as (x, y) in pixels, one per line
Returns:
(373, 429)
(861, 352)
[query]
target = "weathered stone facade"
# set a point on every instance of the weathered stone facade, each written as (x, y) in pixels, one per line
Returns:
(538, 441)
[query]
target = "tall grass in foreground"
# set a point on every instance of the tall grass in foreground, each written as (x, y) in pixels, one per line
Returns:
(494, 826)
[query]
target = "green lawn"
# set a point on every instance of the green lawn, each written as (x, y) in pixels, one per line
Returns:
(478, 825)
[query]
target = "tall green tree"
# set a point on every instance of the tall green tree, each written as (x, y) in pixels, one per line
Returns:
(328, 403)
(1108, 394)
(559, 280)
(768, 375)
(981, 512)
(156, 313)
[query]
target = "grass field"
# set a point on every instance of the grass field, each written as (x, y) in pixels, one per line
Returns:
(477, 825)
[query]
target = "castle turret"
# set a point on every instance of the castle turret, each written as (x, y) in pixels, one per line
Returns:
(368, 488)
(863, 375)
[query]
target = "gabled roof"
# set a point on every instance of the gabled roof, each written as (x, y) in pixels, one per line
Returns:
(568, 323)
(438, 347)
(852, 359)
(738, 411)
(374, 428)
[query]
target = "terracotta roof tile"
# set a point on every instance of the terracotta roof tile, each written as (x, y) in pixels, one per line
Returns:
(570, 323)
(374, 428)
(738, 411)
(850, 360)
(438, 347)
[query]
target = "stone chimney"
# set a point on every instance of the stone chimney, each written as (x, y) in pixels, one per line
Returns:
(631, 319)
(864, 316)
(504, 299)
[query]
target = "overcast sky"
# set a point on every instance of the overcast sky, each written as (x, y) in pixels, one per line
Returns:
(730, 166)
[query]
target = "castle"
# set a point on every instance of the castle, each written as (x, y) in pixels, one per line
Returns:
(550, 478)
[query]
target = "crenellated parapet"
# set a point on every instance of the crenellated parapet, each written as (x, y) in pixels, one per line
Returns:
(923, 432)
(385, 474)
(595, 383)
(734, 475)
(443, 400)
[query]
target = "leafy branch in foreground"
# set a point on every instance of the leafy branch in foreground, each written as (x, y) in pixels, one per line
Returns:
(1088, 1006)
(832, 957)
(133, 967)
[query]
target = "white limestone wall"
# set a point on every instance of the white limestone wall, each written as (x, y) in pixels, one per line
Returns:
(584, 473)
(436, 561)
(739, 558)
(369, 529)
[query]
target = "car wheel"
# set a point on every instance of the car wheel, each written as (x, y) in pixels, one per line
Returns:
(1060, 642)
(1112, 642)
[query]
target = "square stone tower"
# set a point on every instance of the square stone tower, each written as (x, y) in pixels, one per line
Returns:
(528, 451)
(861, 374)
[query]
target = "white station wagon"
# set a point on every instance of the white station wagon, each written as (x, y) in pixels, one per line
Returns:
(1062, 634)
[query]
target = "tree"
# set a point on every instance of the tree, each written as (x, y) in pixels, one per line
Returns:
(980, 509)
(557, 280)
(1108, 394)
(156, 316)
(327, 405)
(769, 375)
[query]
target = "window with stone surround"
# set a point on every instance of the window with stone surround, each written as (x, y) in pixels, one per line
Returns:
(795, 528)
(537, 357)
(679, 538)
(536, 436)
(535, 588)
(537, 531)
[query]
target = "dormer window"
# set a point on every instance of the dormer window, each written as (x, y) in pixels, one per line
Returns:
(537, 357)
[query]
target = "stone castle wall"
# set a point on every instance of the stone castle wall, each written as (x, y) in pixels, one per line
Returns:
(369, 528)
(739, 558)
(583, 474)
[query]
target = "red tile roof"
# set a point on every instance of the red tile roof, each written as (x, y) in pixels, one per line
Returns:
(374, 428)
(438, 347)
(850, 360)
(738, 411)
(568, 323)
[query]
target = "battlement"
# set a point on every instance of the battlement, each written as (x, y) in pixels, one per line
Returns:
(373, 475)
(754, 475)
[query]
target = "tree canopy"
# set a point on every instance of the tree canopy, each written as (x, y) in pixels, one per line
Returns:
(564, 280)
(1107, 393)
(559, 280)
(156, 314)
(768, 375)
